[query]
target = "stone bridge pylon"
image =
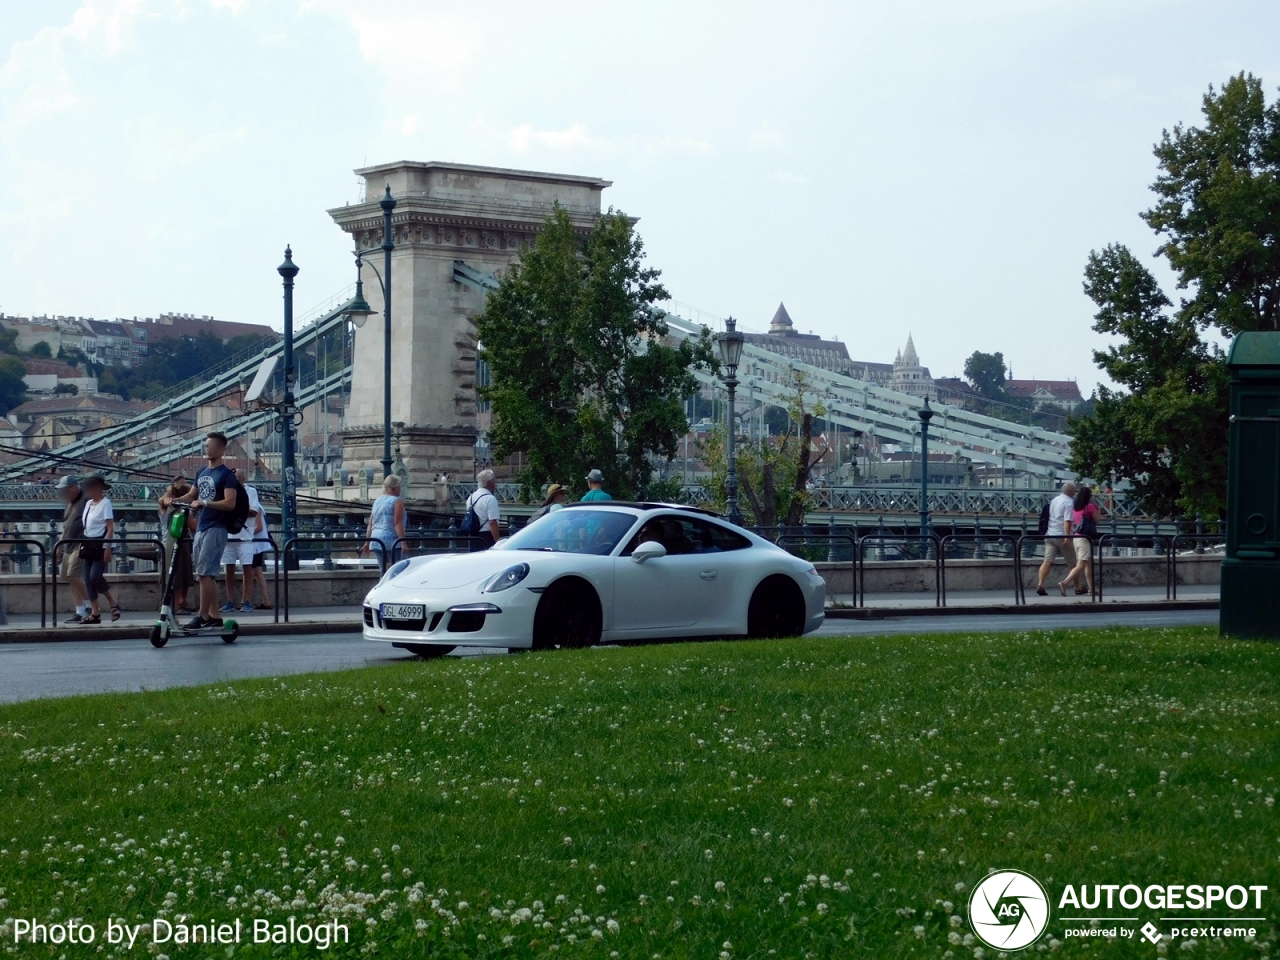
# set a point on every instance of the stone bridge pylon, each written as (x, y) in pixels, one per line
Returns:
(445, 213)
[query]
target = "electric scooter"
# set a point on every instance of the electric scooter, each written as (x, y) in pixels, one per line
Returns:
(167, 626)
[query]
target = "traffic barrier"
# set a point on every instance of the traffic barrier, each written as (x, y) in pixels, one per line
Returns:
(123, 539)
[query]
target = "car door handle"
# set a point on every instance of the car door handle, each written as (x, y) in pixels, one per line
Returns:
(708, 574)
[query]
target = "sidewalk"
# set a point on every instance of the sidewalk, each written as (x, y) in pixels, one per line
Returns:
(25, 628)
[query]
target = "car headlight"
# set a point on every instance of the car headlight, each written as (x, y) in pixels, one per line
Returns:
(394, 571)
(507, 579)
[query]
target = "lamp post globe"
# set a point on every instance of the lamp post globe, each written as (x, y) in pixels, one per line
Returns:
(730, 345)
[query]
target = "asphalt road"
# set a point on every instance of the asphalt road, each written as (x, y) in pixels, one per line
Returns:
(30, 671)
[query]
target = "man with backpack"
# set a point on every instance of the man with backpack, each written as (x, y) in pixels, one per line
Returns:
(1057, 534)
(224, 508)
(483, 510)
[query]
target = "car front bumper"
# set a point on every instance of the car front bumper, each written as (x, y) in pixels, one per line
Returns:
(500, 620)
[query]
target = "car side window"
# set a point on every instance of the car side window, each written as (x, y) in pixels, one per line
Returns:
(686, 535)
(722, 538)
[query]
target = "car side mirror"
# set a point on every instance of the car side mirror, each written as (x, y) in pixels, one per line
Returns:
(648, 550)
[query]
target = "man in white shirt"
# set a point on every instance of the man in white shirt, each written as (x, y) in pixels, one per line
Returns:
(1057, 541)
(241, 549)
(485, 504)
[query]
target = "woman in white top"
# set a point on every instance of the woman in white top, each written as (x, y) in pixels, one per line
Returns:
(99, 529)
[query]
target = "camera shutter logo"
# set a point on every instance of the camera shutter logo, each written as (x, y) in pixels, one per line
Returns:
(1009, 910)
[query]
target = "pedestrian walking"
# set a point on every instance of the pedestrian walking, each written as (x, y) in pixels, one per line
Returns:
(554, 500)
(99, 530)
(240, 550)
(1057, 541)
(595, 485)
(183, 573)
(1084, 530)
(214, 495)
(263, 544)
(71, 567)
(386, 523)
(483, 510)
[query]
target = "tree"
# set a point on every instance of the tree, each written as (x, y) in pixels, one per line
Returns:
(986, 374)
(67, 388)
(582, 370)
(13, 388)
(1167, 434)
(42, 350)
(773, 477)
(8, 341)
(1218, 212)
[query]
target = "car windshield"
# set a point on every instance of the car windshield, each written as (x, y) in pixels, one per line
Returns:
(574, 531)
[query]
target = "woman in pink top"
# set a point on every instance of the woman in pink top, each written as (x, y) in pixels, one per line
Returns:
(1084, 527)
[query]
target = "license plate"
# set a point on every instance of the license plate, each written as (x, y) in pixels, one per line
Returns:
(403, 611)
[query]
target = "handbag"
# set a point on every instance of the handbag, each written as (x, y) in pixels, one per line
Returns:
(93, 551)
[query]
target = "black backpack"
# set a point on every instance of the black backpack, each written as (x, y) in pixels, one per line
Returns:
(471, 522)
(239, 514)
(1043, 526)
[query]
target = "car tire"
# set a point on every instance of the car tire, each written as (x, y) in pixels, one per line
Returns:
(776, 609)
(428, 651)
(568, 616)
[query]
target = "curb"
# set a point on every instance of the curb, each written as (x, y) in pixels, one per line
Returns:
(1134, 606)
(142, 631)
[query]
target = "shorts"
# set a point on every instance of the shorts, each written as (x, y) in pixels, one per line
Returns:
(1083, 548)
(72, 565)
(237, 551)
(1059, 547)
(258, 559)
(207, 549)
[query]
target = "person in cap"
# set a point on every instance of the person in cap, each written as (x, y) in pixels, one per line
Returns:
(71, 567)
(554, 500)
(595, 481)
(95, 552)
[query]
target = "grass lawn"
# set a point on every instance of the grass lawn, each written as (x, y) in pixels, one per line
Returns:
(807, 798)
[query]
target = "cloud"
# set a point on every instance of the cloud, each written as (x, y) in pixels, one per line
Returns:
(790, 179)
(765, 136)
(578, 138)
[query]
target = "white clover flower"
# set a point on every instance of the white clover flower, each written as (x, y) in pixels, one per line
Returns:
(822, 908)
(612, 926)
(597, 933)
(788, 802)
(600, 888)
(709, 854)
(719, 886)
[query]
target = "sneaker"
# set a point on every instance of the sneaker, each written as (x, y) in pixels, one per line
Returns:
(211, 622)
(247, 608)
(195, 623)
(227, 607)
(74, 618)
(1041, 591)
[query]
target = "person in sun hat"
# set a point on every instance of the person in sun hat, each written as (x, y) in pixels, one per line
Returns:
(99, 531)
(554, 500)
(595, 481)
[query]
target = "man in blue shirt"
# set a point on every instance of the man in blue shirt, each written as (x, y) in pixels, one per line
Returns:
(595, 480)
(214, 495)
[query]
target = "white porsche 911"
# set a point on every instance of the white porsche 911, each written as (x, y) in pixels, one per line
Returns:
(598, 572)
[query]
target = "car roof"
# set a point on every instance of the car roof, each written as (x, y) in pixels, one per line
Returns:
(642, 505)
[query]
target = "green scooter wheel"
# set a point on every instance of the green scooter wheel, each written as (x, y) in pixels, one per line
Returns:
(230, 631)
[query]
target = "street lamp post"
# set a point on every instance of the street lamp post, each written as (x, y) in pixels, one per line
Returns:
(926, 414)
(288, 480)
(358, 309)
(730, 344)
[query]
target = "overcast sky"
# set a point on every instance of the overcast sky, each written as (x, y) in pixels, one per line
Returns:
(942, 168)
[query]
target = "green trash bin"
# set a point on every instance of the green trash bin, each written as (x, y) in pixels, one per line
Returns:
(1251, 569)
